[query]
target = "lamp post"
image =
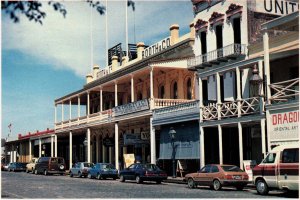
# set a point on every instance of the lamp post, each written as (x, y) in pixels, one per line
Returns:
(172, 133)
(85, 145)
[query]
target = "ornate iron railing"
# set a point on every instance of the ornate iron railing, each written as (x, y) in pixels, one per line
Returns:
(232, 50)
(284, 91)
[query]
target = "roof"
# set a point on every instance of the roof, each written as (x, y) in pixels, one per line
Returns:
(281, 22)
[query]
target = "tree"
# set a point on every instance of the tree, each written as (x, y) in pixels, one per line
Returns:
(33, 9)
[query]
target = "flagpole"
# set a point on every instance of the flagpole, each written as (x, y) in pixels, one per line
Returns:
(106, 35)
(126, 27)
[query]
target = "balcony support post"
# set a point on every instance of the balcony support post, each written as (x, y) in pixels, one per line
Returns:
(78, 108)
(151, 83)
(202, 153)
(55, 114)
(70, 112)
(52, 146)
(219, 103)
(40, 147)
(261, 99)
(263, 136)
(152, 142)
(200, 98)
(240, 129)
(97, 148)
(117, 145)
(220, 144)
(88, 105)
(55, 145)
(238, 90)
(267, 64)
(88, 136)
(132, 89)
(70, 150)
(62, 114)
(116, 94)
(30, 150)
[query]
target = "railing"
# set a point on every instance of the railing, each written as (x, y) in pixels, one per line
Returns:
(250, 106)
(229, 109)
(284, 91)
(178, 109)
(160, 103)
(232, 50)
(210, 112)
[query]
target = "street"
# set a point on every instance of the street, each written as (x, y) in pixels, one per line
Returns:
(22, 185)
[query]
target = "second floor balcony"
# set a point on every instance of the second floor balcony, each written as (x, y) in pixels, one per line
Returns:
(217, 56)
(285, 91)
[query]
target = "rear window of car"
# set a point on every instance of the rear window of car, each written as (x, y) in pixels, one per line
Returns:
(57, 160)
(231, 169)
(88, 164)
(150, 167)
(108, 166)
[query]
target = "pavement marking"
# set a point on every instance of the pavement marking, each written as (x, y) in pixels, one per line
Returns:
(9, 194)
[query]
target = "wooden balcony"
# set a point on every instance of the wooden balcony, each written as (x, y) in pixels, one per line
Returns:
(285, 91)
(215, 57)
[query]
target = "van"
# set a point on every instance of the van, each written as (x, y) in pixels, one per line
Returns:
(50, 165)
(279, 170)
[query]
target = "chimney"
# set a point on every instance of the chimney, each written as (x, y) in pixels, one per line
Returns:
(89, 78)
(192, 28)
(140, 48)
(95, 71)
(124, 60)
(174, 29)
(114, 64)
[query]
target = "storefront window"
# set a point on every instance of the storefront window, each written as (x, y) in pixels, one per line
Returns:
(189, 89)
(161, 92)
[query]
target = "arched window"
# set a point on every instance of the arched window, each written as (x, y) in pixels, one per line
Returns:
(189, 89)
(139, 96)
(161, 93)
(175, 90)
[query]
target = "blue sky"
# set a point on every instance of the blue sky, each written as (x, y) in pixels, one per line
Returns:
(42, 63)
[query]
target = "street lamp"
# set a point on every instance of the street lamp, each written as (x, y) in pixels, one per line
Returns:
(255, 82)
(172, 133)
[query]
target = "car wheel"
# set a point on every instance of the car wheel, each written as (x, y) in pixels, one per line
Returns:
(71, 174)
(32, 171)
(158, 182)
(98, 176)
(35, 172)
(217, 185)
(27, 171)
(191, 183)
(79, 174)
(13, 170)
(45, 172)
(90, 176)
(262, 187)
(122, 179)
(138, 179)
(240, 187)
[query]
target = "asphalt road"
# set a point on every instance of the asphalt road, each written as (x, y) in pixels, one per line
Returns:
(22, 185)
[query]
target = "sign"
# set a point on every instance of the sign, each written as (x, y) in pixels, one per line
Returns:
(133, 139)
(108, 142)
(276, 7)
(284, 126)
(248, 166)
(145, 135)
(128, 159)
(131, 107)
(157, 47)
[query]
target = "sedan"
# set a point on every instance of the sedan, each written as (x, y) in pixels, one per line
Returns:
(16, 166)
(216, 176)
(143, 172)
(81, 169)
(103, 171)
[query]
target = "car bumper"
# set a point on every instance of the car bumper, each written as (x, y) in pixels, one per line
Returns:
(235, 182)
(153, 178)
(109, 175)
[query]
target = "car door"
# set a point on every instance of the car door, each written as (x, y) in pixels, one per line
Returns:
(269, 170)
(203, 176)
(214, 172)
(130, 172)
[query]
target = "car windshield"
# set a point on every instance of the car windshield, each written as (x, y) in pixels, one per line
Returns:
(230, 168)
(108, 166)
(88, 164)
(150, 167)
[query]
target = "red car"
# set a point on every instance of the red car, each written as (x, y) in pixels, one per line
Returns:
(216, 176)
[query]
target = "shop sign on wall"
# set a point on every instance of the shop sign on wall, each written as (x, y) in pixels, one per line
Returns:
(157, 47)
(131, 107)
(276, 7)
(284, 125)
(108, 142)
(133, 139)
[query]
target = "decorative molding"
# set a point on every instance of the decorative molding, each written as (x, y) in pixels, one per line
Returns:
(216, 17)
(201, 24)
(234, 9)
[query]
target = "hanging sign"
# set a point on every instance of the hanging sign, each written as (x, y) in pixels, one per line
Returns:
(128, 159)
(108, 142)
(157, 47)
(131, 107)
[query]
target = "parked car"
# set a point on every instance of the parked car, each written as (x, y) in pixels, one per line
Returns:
(5, 167)
(279, 170)
(143, 172)
(50, 165)
(216, 176)
(81, 169)
(103, 171)
(31, 165)
(16, 166)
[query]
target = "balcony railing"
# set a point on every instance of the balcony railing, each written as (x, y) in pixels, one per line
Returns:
(160, 103)
(231, 109)
(215, 57)
(284, 91)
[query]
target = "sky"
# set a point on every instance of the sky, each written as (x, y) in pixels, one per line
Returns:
(41, 63)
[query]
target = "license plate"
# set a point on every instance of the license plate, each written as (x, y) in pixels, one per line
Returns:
(237, 177)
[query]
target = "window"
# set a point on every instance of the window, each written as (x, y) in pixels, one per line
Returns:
(203, 42)
(205, 169)
(175, 91)
(270, 158)
(189, 89)
(290, 156)
(214, 169)
(237, 30)
(161, 92)
(139, 96)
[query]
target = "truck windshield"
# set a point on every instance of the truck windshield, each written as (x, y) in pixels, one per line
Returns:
(270, 158)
